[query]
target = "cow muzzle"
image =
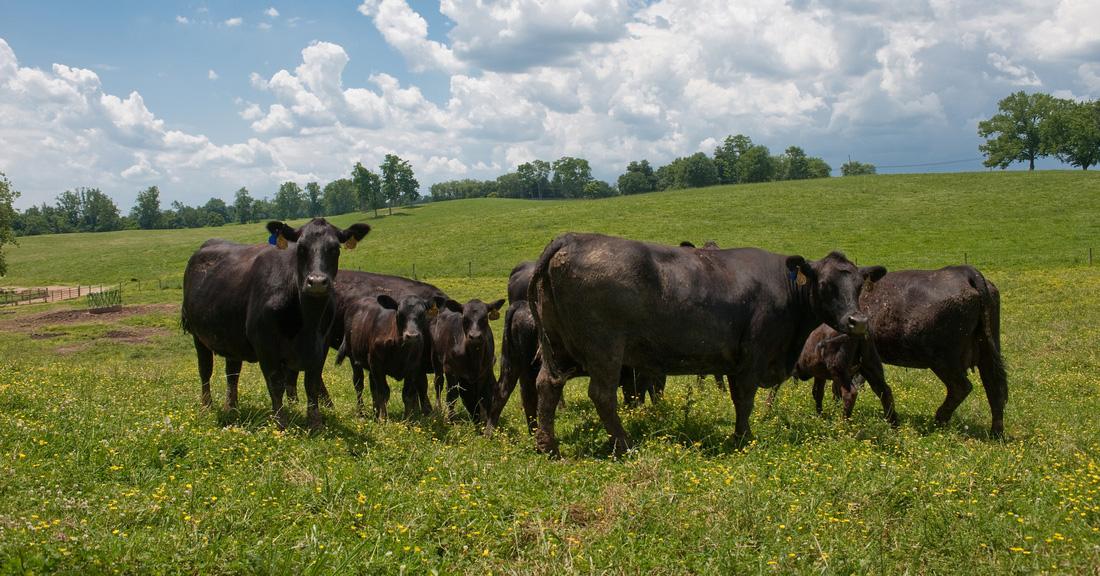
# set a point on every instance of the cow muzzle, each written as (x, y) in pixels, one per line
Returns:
(856, 325)
(317, 284)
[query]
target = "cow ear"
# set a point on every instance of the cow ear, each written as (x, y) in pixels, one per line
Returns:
(494, 309)
(873, 273)
(353, 234)
(282, 232)
(453, 306)
(437, 303)
(385, 301)
(686, 244)
(799, 270)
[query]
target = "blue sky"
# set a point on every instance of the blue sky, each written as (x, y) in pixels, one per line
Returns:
(203, 98)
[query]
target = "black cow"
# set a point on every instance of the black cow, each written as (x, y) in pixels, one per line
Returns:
(264, 304)
(464, 353)
(602, 302)
(948, 320)
(356, 289)
(830, 355)
(389, 338)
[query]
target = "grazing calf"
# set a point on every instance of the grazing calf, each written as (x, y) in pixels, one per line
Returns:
(463, 353)
(266, 304)
(602, 302)
(388, 338)
(355, 289)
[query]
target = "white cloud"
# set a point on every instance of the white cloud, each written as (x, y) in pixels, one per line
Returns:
(407, 31)
(1015, 74)
(271, 12)
(264, 26)
(182, 19)
(211, 74)
(234, 22)
(1089, 75)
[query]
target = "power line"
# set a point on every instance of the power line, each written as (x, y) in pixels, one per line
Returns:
(923, 164)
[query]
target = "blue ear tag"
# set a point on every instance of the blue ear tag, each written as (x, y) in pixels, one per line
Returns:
(792, 275)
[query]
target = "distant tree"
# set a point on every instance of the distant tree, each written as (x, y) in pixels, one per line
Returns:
(1072, 133)
(856, 168)
(511, 185)
(314, 207)
(242, 206)
(638, 178)
(8, 194)
(699, 171)
(727, 155)
(398, 181)
(289, 201)
(817, 168)
(368, 188)
(68, 207)
(263, 209)
(339, 197)
(570, 176)
(217, 212)
(1014, 134)
(536, 177)
(797, 164)
(98, 212)
(755, 165)
(146, 212)
(597, 189)
(407, 184)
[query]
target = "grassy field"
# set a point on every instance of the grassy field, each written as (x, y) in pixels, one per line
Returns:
(109, 465)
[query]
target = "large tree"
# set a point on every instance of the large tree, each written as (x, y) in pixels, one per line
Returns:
(314, 207)
(98, 212)
(289, 201)
(857, 168)
(727, 155)
(8, 194)
(1072, 133)
(146, 211)
(638, 178)
(368, 188)
(1015, 133)
(570, 176)
(339, 197)
(755, 165)
(217, 212)
(242, 206)
(535, 176)
(798, 167)
(398, 181)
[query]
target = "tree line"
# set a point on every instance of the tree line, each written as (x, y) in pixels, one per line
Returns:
(1031, 126)
(91, 210)
(736, 161)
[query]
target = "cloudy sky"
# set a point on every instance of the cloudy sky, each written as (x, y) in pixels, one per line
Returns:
(201, 98)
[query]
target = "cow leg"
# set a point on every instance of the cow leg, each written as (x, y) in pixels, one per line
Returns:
(844, 389)
(206, 370)
(454, 390)
(871, 370)
(357, 381)
(743, 394)
(505, 385)
(468, 391)
(655, 383)
(718, 381)
(276, 385)
(633, 395)
(380, 394)
(529, 395)
(439, 390)
(603, 389)
(549, 389)
(995, 382)
(958, 388)
(422, 393)
(313, 386)
(818, 392)
(232, 375)
(325, 397)
(291, 386)
(409, 396)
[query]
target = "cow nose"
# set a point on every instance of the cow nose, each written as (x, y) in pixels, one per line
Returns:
(857, 324)
(412, 336)
(317, 283)
(475, 339)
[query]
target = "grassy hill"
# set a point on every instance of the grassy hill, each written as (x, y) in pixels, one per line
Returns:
(108, 464)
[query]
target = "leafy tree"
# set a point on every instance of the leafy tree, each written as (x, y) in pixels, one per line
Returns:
(817, 168)
(699, 171)
(398, 181)
(68, 208)
(797, 164)
(146, 212)
(289, 201)
(314, 206)
(597, 189)
(368, 188)
(639, 178)
(1072, 133)
(755, 165)
(242, 206)
(856, 168)
(98, 212)
(536, 176)
(263, 209)
(407, 184)
(339, 197)
(727, 155)
(217, 212)
(8, 194)
(511, 185)
(570, 176)
(1014, 134)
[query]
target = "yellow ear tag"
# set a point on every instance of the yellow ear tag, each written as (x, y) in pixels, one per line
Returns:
(493, 314)
(433, 311)
(350, 244)
(280, 242)
(801, 278)
(868, 285)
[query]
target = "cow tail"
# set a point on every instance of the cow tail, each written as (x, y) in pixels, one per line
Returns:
(542, 291)
(990, 362)
(342, 351)
(505, 349)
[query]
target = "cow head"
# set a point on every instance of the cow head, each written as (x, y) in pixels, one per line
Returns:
(413, 315)
(475, 322)
(317, 251)
(834, 284)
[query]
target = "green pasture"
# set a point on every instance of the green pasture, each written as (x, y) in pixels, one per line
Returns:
(109, 465)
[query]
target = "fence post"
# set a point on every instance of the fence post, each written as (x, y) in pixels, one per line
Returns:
(414, 271)
(965, 260)
(470, 269)
(1090, 256)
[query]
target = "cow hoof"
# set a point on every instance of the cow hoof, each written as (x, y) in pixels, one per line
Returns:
(620, 446)
(281, 420)
(997, 432)
(548, 446)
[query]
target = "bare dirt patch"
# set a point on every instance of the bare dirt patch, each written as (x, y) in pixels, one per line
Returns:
(35, 323)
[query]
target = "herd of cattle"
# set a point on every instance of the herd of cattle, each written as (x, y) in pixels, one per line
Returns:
(622, 312)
